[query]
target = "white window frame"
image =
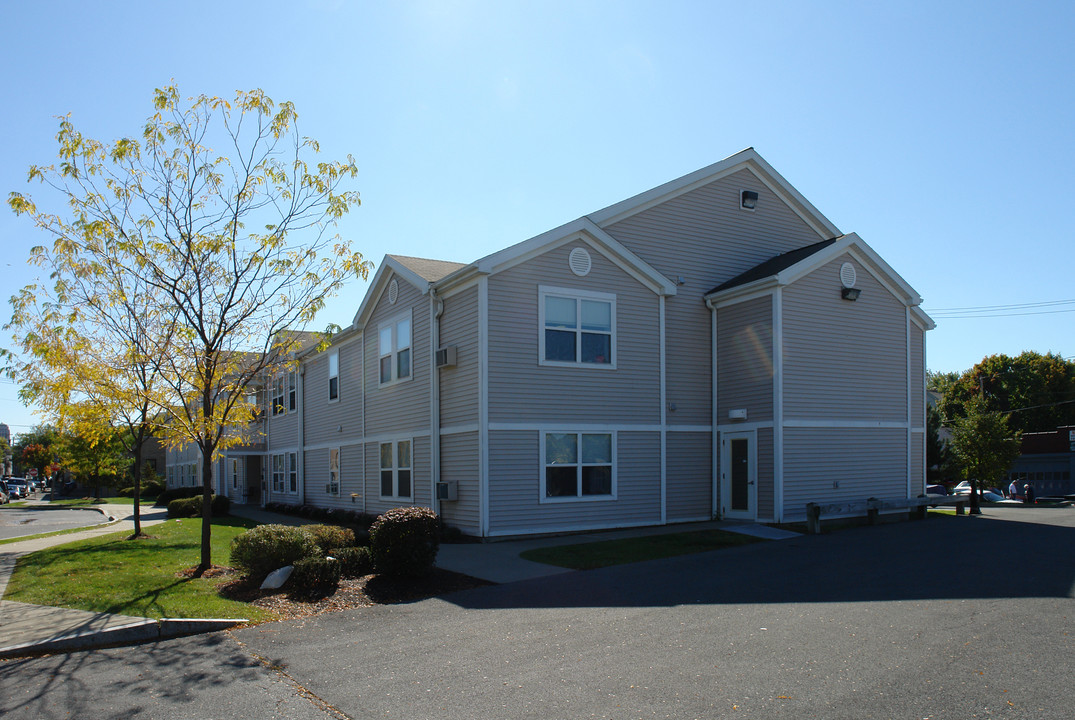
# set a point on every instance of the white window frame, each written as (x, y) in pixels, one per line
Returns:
(334, 471)
(276, 404)
(292, 392)
(395, 469)
(334, 374)
(391, 325)
(278, 474)
(578, 296)
(293, 473)
(579, 465)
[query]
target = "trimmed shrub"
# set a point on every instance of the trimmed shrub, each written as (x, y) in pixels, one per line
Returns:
(219, 506)
(178, 492)
(404, 542)
(314, 577)
(327, 537)
(185, 507)
(262, 549)
(354, 561)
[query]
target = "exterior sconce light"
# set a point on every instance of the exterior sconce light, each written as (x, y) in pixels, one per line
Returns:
(748, 199)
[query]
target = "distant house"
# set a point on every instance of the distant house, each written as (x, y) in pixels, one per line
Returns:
(1046, 461)
(713, 347)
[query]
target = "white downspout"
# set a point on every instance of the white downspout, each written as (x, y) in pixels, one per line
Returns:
(436, 309)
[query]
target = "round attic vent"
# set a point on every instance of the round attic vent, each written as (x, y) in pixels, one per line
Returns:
(579, 262)
(847, 275)
(393, 291)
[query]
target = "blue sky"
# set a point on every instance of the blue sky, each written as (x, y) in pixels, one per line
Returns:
(942, 133)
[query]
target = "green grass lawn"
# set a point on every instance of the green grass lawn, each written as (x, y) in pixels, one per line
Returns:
(586, 556)
(134, 577)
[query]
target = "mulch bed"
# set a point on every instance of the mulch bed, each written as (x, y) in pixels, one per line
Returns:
(355, 593)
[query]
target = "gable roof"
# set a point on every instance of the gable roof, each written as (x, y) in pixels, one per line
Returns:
(773, 266)
(788, 267)
(419, 272)
(748, 160)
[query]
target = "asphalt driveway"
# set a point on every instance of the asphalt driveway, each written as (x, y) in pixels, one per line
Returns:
(954, 617)
(16, 522)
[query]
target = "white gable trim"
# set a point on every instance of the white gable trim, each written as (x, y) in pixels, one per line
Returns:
(581, 230)
(389, 268)
(747, 159)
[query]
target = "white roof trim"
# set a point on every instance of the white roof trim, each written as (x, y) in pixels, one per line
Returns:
(389, 267)
(582, 229)
(747, 159)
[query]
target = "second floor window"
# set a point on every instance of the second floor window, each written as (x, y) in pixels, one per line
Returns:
(334, 376)
(278, 395)
(394, 342)
(577, 327)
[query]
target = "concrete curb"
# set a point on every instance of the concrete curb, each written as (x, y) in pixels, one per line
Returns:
(131, 634)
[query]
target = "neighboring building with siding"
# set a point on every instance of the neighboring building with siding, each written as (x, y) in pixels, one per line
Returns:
(675, 357)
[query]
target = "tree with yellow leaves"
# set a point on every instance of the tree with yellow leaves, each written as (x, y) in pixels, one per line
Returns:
(233, 248)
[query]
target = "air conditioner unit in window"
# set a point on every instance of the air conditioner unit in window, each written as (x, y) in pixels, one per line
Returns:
(446, 356)
(448, 490)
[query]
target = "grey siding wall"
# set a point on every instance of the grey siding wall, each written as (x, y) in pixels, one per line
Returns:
(689, 489)
(420, 477)
(706, 238)
(918, 463)
(521, 390)
(460, 462)
(324, 419)
(918, 377)
(282, 430)
(404, 406)
(872, 462)
(844, 360)
(515, 467)
(351, 480)
(459, 384)
(745, 359)
(766, 475)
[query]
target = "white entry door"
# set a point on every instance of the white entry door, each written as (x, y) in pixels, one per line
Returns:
(738, 475)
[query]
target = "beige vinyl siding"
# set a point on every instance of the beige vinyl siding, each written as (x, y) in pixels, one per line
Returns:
(689, 473)
(420, 476)
(745, 359)
(766, 475)
(521, 390)
(844, 360)
(918, 463)
(401, 407)
(337, 422)
(514, 481)
(459, 462)
(866, 462)
(351, 481)
(282, 430)
(704, 237)
(459, 384)
(918, 377)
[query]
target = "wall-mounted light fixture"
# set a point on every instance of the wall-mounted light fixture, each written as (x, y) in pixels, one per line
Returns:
(748, 199)
(851, 294)
(848, 277)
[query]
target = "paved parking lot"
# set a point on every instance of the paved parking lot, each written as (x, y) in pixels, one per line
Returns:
(948, 618)
(16, 522)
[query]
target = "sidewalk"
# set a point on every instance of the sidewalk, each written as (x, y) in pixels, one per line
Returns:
(27, 629)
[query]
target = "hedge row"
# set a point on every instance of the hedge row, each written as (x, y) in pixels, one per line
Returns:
(220, 505)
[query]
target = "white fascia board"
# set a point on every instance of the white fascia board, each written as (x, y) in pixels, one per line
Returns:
(388, 268)
(855, 246)
(345, 337)
(580, 230)
(741, 293)
(921, 319)
(747, 159)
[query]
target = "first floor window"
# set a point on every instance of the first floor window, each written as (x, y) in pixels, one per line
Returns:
(277, 473)
(235, 474)
(396, 469)
(578, 465)
(293, 473)
(334, 471)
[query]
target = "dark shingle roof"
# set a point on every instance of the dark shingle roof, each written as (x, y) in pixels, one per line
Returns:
(773, 266)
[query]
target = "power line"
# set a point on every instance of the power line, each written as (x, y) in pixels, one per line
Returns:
(975, 308)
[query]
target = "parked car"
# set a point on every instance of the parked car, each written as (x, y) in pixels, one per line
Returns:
(20, 486)
(994, 497)
(5, 497)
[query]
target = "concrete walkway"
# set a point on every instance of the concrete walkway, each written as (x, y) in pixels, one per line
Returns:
(30, 629)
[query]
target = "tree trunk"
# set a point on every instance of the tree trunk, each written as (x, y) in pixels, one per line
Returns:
(975, 499)
(207, 508)
(137, 488)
